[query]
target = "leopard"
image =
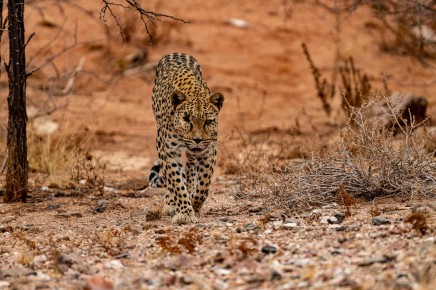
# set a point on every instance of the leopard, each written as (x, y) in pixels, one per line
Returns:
(186, 115)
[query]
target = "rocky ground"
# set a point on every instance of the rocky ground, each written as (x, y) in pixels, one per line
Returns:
(92, 222)
(117, 241)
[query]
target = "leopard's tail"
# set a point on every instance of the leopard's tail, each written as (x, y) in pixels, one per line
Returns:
(154, 179)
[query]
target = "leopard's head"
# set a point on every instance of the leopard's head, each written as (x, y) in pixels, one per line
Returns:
(196, 119)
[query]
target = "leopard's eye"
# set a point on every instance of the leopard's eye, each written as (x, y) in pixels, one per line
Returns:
(208, 122)
(186, 118)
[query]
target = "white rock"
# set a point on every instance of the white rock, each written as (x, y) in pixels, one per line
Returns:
(42, 277)
(221, 271)
(114, 264)
(290, 225)
(277, 224)
(4, 284)
(40, 259)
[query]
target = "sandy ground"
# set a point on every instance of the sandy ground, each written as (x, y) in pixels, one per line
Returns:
(85, 238)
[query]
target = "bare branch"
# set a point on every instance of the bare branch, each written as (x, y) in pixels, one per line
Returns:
(147, 17)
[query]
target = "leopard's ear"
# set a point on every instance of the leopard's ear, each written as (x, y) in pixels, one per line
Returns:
(217, 100)
(177, 98)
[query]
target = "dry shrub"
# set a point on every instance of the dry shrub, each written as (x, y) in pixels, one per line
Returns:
(344, 199)
(408, 26)
(54, 154)
(177, 243)
(419, 222)
(243, 247)
(367, 161)
(354, 85)
(244, 152)
(88, 171)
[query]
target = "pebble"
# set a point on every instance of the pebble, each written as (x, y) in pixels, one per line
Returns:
(269, 249)
(277, 224)
(221, 271)
(68, 214)
(186, 279)
(38, 260)
(379, 259)
(53, 206)
(101, 205)
(276, 276)
(290, 225)
(300, 262)
(5, 284)
(328, 220)
(251, 226)
(380, 221)
(114, 264)
(340, 217)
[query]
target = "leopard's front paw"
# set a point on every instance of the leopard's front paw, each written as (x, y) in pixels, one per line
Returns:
(184, 218)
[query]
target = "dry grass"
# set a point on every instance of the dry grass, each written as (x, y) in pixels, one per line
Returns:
(367, 161)
(242, 152)
(61, 157)
(353, 87)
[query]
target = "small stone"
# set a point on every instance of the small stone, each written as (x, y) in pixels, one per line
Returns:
(290, 225)
(114, 264)
(291, 220)
(68, 214)
(337, 252)
(380, 221)
(5, 284)
(101, 205)
(276, 276)
(269, 249)
(186, 279)
(238, 230)
(301, 262)
(277, 224)
(340, 217)
(125, 255)
(18, 272)
(256, 209)
(53, 206)
(222, 271)
(160, 231)
(379, 259)
(251, 226)
(38, 260)
(42, 277)
(327, 219)
(332, 220)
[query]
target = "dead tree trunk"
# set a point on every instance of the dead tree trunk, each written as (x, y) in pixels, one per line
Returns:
(16, 164)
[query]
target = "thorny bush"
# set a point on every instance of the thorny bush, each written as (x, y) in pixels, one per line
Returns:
(367, 161)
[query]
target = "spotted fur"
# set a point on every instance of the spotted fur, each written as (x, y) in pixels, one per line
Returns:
(187, 120)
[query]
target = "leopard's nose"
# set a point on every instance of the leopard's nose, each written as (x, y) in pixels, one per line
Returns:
(196, 139)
